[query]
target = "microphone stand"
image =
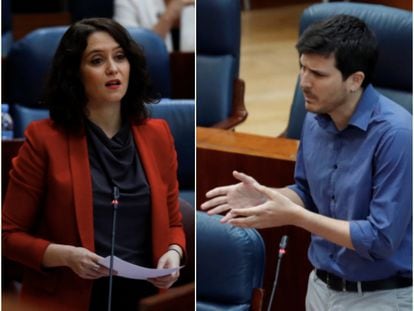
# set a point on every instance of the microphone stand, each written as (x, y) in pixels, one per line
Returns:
(282, 251)
(115, 205)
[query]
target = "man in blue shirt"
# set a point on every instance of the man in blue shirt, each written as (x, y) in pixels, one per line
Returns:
(353, 177)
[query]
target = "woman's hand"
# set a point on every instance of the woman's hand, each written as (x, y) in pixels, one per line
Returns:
(82, 261)
(241, 195)
(85, 264)
(171, 259)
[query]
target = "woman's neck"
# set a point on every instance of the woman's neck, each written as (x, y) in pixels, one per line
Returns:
(107, 118)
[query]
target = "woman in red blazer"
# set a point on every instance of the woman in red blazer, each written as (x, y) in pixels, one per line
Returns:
(57, 215)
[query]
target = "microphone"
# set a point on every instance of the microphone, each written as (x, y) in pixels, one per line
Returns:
(282, 251)
(115, 205)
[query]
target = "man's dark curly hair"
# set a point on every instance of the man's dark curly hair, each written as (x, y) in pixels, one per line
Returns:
(65, 94)
(349, 39)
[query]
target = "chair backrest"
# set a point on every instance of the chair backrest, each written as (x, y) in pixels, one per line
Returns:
(158, 59)
(180, 117)
(218, 58)
(28, 63)
(393, 74)
(30, 58)
(219, 30)
(230, 264)
(23, 116)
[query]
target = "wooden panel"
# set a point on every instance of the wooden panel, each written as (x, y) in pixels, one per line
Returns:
(182, 66)
(271, 161)
(177, 298)
(25, 23)
(402, 4)
(259, 4)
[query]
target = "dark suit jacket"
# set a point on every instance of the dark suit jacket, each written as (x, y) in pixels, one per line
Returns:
(49, 200)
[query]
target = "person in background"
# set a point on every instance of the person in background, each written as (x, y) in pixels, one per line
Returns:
(57, 213)
(161, 17)
(353, 177)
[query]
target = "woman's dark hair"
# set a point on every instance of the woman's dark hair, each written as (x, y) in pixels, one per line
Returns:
(65, 94)
(350, 40)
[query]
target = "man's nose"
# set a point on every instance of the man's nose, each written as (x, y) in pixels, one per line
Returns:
(304, 80)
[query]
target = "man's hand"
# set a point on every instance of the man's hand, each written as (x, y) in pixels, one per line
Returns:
(277, 210)
(237, 196)
(174, 8)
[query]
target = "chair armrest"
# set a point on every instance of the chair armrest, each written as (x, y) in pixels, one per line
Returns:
(176, 298)
(238, 111)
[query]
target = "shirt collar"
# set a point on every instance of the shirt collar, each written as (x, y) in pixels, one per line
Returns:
(362, 114)
(364, 109)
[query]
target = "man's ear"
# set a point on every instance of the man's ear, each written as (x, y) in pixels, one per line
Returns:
(356, 80)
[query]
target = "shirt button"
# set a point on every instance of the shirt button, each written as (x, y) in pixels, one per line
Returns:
(335, 166)
(333, 197)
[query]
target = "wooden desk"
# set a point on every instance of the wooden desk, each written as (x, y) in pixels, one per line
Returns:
(271, 161)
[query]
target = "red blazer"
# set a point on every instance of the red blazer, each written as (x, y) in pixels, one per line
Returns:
(49, 200)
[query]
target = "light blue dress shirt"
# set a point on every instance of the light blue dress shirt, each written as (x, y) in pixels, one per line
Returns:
(362, 174)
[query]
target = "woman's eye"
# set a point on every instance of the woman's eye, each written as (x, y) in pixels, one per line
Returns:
(120, 56)
(96, 61)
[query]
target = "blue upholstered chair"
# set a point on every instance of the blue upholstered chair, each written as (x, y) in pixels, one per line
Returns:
(220, 92)
(180, 117)
(23, 116)
(393, 75)
(28, 63)
(230, 266)
(158, 59)
(30, 59)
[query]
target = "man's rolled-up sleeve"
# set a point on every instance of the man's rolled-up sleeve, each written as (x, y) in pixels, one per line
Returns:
(390, 214)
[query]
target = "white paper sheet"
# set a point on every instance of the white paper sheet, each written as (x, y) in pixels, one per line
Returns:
(131, 271)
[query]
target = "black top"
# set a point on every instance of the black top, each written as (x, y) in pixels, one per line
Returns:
(115, 162)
